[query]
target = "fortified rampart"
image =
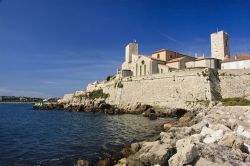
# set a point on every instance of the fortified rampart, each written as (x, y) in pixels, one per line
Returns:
(174, 89)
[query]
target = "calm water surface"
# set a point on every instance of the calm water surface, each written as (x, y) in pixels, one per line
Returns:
(30, 137)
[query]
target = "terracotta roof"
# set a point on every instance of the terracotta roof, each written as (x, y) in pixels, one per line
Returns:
(161, 50)
(238, 58)
(176, 59)
(155, 59)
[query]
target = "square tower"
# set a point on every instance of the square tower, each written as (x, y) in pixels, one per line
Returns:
(220, 45)
(131, 48)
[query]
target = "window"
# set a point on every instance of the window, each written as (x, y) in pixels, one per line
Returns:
(158, 56)
(142, 62)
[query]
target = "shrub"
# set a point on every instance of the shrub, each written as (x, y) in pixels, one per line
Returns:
(109, 78)
(97, 94)
(236, 101)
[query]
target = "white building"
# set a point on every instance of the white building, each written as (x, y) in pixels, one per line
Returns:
(238, 62)
(220, 45)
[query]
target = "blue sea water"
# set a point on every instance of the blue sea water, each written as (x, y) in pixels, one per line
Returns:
(29, 137)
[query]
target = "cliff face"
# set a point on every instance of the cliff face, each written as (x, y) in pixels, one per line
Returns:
(178, 89)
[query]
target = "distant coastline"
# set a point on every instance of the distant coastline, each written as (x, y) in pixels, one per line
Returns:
(19, 99)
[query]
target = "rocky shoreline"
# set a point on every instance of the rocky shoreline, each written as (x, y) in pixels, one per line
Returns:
(215, 135)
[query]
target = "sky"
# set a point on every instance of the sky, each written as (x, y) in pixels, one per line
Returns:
(52, 47)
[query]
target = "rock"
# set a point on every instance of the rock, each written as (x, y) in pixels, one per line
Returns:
(218, 154)
(205, 162)
(135, 147)
(247, 158)
(167, 126)
(82, 163)
(241, 131)
(104, 162)
(125, 152)
(206, 131)
(228, 140)
(122, 162)
(148, 112)
(104, 106)
(142, 108)
(198, 127)
(181, 132)
(152, 117)
(215, 136)
(239, 146)
(152, 153)
(186, 153)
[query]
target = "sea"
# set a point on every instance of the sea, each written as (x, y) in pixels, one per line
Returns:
(42, 138)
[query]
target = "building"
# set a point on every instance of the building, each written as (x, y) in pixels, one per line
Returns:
(165, 55)
(161, 61)
(220, 45)
(204, 63)
(238, 62)
(137, 65)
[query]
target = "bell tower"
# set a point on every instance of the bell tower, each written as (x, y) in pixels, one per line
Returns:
(131, 48)
(220, 45)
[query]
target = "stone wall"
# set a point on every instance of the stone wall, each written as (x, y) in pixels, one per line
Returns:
(235, 83)
(176, 89)
(172, 89)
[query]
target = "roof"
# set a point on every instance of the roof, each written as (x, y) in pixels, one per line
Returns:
(176, 59)
(155, 59)
(238, 58)
(161, 50)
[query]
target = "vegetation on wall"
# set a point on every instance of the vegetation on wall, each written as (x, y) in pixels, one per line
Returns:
(118, 84)
(236, 101)
(95, 94)
(109, 78)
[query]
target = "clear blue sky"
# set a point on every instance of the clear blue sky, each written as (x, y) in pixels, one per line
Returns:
(52, 47)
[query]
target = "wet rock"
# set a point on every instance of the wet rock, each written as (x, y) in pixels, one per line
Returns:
(104, 162)
(152, 117)
(167, 126)
(125, 152)
(148, 112)
(122, 162)
(142, 108)
(135, 147)
(82, 163)
(104, 106)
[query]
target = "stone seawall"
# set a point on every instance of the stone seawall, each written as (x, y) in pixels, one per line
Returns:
(177, 89)
(173, 89)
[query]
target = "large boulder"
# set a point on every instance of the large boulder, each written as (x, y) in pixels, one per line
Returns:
(186, 153)
(152, 153)
(228, 140)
